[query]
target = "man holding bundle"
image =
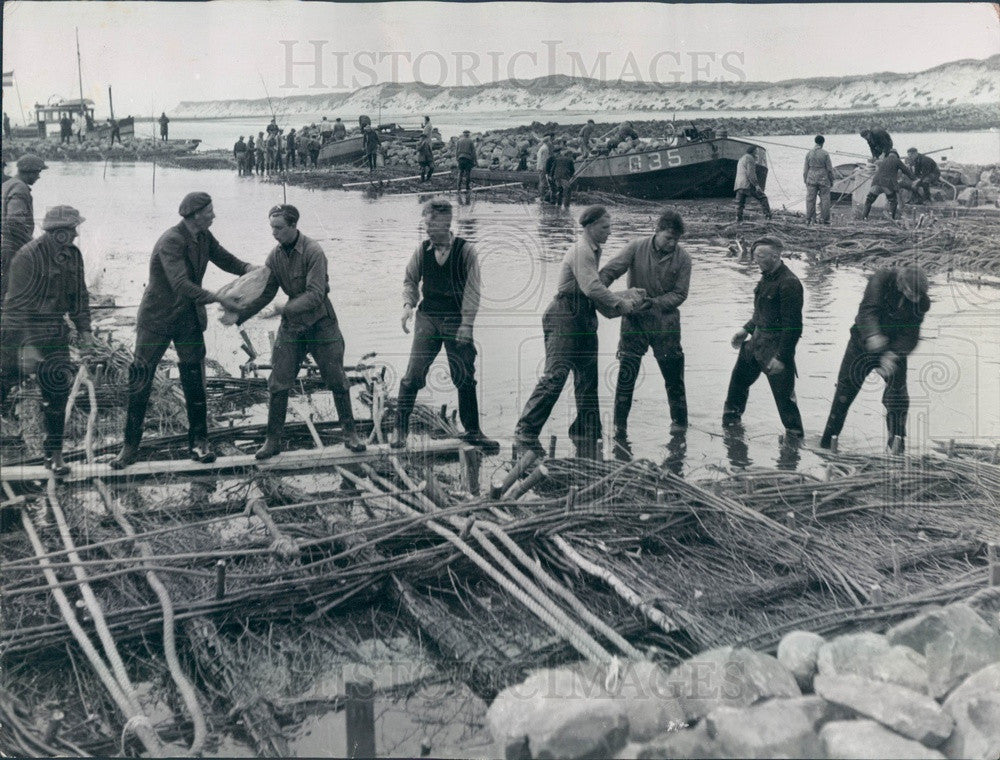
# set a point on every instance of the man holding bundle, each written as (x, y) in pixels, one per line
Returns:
(308, 326)
(172, 310)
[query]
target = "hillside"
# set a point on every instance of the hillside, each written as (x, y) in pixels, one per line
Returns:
(956, 83)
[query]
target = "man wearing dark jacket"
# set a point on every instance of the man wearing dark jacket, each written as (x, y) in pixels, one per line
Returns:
(17, 214)
(46, 285)
(172, 310)
(884, 333)
(425, 158)
(774, 330)
(240, 154)
(308, 325)
(927, 173)
(659, 265)
(886, 181)
(561, 169)
(370, 143)
(879, 141)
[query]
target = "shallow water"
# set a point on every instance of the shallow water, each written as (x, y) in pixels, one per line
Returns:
(954, 379)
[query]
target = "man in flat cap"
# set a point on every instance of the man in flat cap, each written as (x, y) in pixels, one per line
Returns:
(884, 333)
(17, 218)
(570, 329)
(172, 310)
(308, 325)
(46, 285)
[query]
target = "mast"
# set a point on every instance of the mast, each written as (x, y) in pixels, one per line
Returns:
(79, 70)
(111, 103)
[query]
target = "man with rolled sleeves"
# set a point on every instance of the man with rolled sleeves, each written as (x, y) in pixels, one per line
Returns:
(172, 310)
(308, 326)
(774, 330)
(884, 333)
(47, 285)
(570, 329)
(659, 265)
(443, 276)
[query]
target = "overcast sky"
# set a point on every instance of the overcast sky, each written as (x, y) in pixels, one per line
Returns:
(158, 54)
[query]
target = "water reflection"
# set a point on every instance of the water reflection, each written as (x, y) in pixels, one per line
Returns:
(676, 453)
(737, 451)
(789, 453)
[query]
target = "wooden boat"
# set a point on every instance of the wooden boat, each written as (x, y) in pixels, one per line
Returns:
(701, 168)
(351, 148)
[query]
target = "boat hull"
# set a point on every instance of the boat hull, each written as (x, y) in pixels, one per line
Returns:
(705, 169)
(344, 151)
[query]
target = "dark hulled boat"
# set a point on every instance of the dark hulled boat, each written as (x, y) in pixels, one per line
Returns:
(702, 168)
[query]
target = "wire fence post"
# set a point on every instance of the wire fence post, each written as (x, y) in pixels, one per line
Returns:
(360, 713)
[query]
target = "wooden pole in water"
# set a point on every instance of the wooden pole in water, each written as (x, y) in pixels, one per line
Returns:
(360, 714)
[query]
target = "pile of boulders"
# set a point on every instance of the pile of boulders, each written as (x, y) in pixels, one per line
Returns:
(976, 184)
(927, 688)
(93, 150)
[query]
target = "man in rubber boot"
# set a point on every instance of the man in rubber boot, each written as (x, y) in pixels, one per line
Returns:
(884, 333)
(47, 285)
(659, 265)
(570, 329)
(817, 174)
(172, 310)
(308, 326)
(748, 186)
(443, 275)
(774, 330)
(886, 180)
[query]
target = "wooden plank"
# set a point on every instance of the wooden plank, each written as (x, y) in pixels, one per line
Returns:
(301, 460)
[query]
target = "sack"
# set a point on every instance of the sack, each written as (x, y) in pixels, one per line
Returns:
(247, 288)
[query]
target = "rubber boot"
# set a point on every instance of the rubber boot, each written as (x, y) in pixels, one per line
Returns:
(55, 423)
(868, 208)
(342, 400)
(193, 385)
(277, 408)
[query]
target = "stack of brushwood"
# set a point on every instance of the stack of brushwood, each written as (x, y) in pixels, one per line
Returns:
(567, 559)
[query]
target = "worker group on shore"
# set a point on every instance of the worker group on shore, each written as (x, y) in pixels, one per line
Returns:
(44, 290)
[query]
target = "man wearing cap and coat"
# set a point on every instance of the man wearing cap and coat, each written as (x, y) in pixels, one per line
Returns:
(884, 333)
(172, 310)
(17, 217)
(46, 285)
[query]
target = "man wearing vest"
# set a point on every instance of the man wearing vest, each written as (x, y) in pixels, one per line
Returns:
(308, 325)
(818, 176)
(172, 310)
(443, 275)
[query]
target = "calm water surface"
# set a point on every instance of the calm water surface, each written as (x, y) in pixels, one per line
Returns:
(954, 379)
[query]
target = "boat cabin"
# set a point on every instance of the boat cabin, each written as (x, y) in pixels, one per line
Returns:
(48, 117)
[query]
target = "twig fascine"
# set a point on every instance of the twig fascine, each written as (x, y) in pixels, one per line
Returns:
(993, 557)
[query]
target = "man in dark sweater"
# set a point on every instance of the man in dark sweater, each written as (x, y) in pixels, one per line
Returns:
(659, 265)
(927, 173)
(561, 169)
(774, 330)
(443, 276)
(879, 141)
(308, 326)
(47, 285)
(884, 333)
(886, 180)
(172, 310)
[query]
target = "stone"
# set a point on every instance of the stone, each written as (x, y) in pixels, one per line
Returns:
(868, 740)
(797, 651)
(650, 705)
(729, 677)
(872, 656)
(905, 711)
(968, 197)
(564, 712)
(975, 706)
(955, 641)
(769, 729)
(693, 743)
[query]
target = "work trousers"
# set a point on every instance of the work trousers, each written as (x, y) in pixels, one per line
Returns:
(891, 197)
(430, 333)
(570, 330)
(465, 172)
(371, 161)
(751, 192)
(854, 368)
(324, 341)
(561, 191)
(149, 349)
(427, 171)
(44, 352)
(823, 191)
(745, 374)
(670, 358)
(543, 186)
(241, 164)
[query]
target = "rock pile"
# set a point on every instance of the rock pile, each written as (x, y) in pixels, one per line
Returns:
(927, 688)
(975, 184)
(91, 150)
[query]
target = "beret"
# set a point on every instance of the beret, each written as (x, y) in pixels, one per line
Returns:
(30, 163)
(591, 214)
(193, 203)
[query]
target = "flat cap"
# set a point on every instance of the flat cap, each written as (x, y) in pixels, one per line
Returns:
(591, 214)
(59, 217)
(30, 163)
(193, 203)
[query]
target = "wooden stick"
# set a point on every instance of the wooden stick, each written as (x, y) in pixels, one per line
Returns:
(359, 709)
